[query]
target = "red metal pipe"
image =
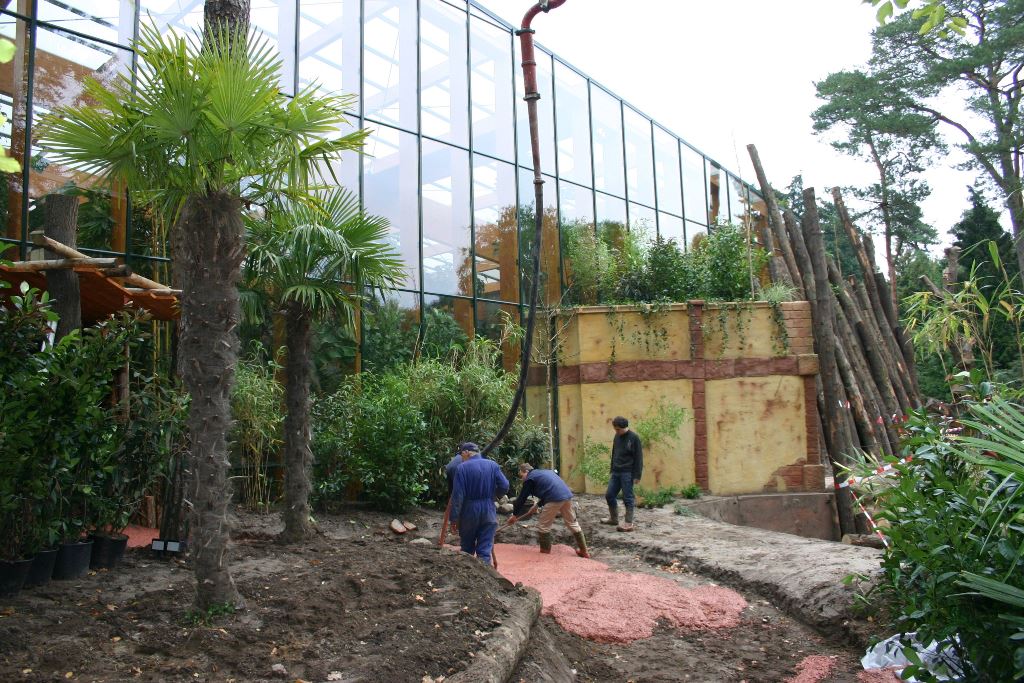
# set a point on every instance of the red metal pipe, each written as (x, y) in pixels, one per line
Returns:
(525, 34)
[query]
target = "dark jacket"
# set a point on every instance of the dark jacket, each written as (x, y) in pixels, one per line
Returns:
(544, 485)
(449, 471)
(628, 454)
(477, 483)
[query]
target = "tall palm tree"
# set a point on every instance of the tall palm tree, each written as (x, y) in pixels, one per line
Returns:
(204, 130)
(312, 262)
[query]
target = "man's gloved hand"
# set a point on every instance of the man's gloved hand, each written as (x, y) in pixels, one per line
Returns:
(512, 520)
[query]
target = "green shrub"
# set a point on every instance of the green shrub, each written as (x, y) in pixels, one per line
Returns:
(256, 431)
(691, 491)
(390, 435)
(654, 498)
(956, 541)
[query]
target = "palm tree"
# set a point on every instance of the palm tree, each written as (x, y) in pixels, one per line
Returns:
(204, 130)
(311, 262)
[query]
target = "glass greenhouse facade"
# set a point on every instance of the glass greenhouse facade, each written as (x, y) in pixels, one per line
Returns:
(448, 161)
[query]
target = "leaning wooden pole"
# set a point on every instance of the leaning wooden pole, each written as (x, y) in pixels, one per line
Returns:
(824, 342)
(777, 226)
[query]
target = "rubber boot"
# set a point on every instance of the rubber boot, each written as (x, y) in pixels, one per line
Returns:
(613, 517)
(581, 544)
(627, 525)
(545, 542)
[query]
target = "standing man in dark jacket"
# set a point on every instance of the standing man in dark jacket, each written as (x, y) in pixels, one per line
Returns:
(477, 483)
(555, 498)
(627, 467)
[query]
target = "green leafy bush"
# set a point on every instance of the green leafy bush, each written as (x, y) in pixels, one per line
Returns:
(691, 491)
(256, 432)
(952, 571)
(654, 498)
(388, 436)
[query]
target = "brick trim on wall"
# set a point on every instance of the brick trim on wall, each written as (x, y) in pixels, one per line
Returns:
(700, 414)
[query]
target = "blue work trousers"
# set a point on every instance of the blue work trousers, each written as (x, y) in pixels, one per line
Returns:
(476, 536)
(620, 481)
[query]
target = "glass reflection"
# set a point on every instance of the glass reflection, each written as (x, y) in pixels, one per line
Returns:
(695, 232)
(643, 221)
(545, 116)
(694, 197)
(717, 206)
(179, 16)
(447, 264)
(329, 46)
(389, 62)
(550, 277)
(390, 184)
(390, 327)
(62, 64)
(666, 172)
(639, 158)
(492, 75)
(447, 324)
(670, 228)
(492, 319)
(573, 118)
(610, 211)
(443, 73)
(109, 20)
(14, 106)
(497, 238)
(739, 200)
(576, 223)
(606, 112)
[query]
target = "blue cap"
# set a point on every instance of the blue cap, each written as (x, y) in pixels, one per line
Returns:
(469, 446)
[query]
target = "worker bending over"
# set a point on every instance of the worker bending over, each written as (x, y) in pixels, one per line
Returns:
(554, 497)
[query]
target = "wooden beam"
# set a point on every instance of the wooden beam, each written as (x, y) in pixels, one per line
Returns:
(58, 264)
(166, 291)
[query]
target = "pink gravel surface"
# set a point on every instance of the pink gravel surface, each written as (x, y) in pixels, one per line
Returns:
(813, 669)
(889, 675)
(588, 599)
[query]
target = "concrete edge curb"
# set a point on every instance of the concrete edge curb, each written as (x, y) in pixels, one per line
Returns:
(505, 645)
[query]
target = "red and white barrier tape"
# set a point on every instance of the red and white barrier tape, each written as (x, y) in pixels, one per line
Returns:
(881, 469)
(871, 521)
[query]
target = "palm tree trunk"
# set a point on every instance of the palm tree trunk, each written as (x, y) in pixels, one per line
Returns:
(210, 250)
(298, 459)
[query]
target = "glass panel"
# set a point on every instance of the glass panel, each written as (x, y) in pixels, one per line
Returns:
(642, 221)
(545, 117)
(550, 279)
(390, 184)
(639, 158)
(491, 318)
(576, 215)
(447, 324)
(389, 62)
(671, 228)
(694, 199)
(611, 212)
(717, 207)
(447, 263)
(573, 116)
(607, 120)
(492, 76)
(63, 62)
(276, 20)
(739, 200)
(110, 20)
(694, 233)
(390, 328)
(329, 46)
(346, 169)
(497, 238)
(443, 72)
(666, 172)
(181, 16)
(13, 105)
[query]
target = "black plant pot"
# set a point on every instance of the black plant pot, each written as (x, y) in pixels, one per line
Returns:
(42, 568)
(72, 560)
(12, 577)
(107, 551)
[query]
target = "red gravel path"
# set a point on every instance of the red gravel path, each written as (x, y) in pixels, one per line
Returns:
(813, 669)
(587, 599)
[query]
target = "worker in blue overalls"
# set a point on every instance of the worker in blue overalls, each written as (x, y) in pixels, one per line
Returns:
(478, 482)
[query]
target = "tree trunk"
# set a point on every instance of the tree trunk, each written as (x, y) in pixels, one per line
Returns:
(230, 15)
(61, 224)
(906, 349)
(209, 257)
(800, 253)
(824, 342)
(298, 459)
(775, 220)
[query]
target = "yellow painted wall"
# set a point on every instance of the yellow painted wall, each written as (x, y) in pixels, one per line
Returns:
(591, 334)
(749, 331)
(588, 409)
(755, 426)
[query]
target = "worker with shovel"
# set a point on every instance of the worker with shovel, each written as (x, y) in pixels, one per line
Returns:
(555, 498)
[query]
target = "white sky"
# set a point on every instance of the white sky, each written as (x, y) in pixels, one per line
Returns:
(725, 74)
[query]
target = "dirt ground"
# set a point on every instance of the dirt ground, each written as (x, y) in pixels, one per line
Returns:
(361, 604)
